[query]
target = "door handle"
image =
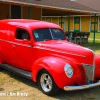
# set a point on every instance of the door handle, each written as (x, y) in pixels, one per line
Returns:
(13, 46)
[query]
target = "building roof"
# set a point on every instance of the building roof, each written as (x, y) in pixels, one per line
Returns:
(69, 5)
(95, 4)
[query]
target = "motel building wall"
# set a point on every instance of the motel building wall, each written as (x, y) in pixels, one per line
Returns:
(77, 23)
(8, 11)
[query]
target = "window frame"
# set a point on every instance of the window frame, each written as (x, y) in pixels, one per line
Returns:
(50, 33)
(22, 39)
(11, 8)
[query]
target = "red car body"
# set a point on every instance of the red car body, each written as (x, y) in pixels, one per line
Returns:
(51, 55)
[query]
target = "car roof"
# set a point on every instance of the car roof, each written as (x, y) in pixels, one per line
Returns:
(32, 24)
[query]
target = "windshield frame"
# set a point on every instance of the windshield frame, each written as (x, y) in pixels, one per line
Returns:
(52, 38)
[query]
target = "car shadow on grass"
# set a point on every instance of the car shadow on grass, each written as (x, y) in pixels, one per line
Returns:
(1, 89)
(88, 94)
(19, 78)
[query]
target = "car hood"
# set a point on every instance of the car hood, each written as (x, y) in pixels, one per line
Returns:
(62, 48)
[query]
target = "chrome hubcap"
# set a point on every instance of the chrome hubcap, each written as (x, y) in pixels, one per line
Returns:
(46, 82)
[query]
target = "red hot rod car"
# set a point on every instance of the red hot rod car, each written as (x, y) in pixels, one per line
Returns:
(40, 51)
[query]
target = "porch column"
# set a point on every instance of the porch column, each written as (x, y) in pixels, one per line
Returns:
(69, 26)
(29, 12)
(94, 29)
(61, 21)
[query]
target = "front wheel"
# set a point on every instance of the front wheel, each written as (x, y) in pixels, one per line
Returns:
(47, 83)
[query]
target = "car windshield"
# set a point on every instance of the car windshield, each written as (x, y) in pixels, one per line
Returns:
(48, 34)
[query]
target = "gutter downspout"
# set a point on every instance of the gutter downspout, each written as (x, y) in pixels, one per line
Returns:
(94, 29)
(69, 27)
(61, 21)
(29, 12)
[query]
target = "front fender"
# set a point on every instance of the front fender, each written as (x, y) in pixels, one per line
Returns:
(97, 67)
(55, 66)
(1, 56)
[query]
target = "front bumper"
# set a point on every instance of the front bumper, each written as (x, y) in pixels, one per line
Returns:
(70, 88)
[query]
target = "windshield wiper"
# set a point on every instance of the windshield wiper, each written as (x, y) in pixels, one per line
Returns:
(46, 39)
(53, 39)
(56, 38)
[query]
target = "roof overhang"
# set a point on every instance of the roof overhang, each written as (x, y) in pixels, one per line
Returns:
(54, 12)
(50, 8)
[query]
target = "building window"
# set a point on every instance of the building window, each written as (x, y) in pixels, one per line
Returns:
(48, 19)
(93, 22)
(15, 12)
(62, 22)
(77, 24)
(22, 34)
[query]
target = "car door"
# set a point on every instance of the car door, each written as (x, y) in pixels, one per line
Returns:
(22, 50)
(6, 37)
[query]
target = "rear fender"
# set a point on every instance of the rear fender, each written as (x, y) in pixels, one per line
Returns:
(1, 56)
(97, 67)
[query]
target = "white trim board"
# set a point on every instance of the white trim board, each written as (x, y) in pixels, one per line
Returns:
(70, 16)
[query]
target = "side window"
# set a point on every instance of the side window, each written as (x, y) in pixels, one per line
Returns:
(22, 34)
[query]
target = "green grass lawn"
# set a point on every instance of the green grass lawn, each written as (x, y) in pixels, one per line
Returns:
(97, 35)
(91, 45)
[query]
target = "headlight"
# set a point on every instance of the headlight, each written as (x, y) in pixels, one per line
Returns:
(68, 70)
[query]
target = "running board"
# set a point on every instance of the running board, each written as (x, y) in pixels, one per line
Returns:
(24, 73)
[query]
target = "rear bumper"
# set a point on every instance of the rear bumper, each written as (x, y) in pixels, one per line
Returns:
(70, 88)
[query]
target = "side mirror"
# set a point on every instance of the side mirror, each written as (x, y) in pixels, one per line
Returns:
(67, 38)
(25, 40)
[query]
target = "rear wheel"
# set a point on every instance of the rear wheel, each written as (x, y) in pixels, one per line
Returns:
(1, 68)
(47, 84)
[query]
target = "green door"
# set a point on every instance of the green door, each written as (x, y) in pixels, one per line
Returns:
(48, 19)
(77, 24)
(62, 22)
(92, 24)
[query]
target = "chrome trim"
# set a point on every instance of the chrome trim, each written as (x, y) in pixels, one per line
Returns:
(46, 82)
(93, 55)
(5, 41)
(82, 63)
(89, 73)
(93, 61)
(59, 51)
(93, 65)
(70, 88)
(14, 43)
(51, 33)
(21, 45)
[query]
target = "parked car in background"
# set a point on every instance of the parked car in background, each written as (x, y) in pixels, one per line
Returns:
(40, 51)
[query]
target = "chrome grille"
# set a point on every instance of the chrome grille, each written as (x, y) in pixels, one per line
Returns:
(89, 73)
(83, 75)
